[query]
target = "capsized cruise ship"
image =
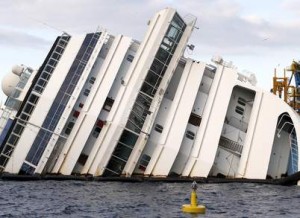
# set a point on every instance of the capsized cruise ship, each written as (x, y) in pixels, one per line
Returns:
(109, 105)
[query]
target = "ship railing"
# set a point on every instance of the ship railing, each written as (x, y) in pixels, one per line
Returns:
(16, 132)
(294, 151)
(80, 67)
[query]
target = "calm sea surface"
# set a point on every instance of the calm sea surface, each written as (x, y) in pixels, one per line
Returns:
(117, 199)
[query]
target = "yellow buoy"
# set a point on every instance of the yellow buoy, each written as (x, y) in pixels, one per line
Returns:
(193, 207)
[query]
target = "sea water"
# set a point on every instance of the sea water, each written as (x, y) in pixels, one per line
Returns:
(47, 198)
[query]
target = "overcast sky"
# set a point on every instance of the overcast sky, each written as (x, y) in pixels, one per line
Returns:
(257, 35)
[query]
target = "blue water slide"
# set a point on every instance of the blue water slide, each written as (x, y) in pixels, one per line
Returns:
(297, 78)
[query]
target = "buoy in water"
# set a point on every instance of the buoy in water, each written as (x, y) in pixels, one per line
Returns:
(193, 207)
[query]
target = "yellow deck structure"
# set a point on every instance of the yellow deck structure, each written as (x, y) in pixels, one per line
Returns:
(283, 88)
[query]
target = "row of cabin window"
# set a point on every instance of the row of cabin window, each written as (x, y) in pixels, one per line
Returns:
(130, 58)
(97, 129)
(87, 91)
(71, 124)
(189, 134)
(107, 106)
(145, 159)
(194, 120)
(240, 108)
(96, 132)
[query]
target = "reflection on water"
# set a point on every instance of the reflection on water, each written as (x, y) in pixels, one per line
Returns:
(117, 199)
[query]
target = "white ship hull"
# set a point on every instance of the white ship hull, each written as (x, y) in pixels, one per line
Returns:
(105, 105)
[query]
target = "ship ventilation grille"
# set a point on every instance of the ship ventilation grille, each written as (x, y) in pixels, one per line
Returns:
(231, 146)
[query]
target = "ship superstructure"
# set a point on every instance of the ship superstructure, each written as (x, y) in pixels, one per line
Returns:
(106, 105)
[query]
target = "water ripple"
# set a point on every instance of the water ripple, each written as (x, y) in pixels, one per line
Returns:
(116, 199)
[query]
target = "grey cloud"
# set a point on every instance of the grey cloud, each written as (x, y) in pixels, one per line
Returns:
(229, 33)
(221, 26)
(291, 5)
(10, 38)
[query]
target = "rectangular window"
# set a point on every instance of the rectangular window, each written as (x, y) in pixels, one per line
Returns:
(122, 152)
(76, 114)
(69, 128)
(241, 101)
(52, 62)
(195, 119)
(26, 169)
(62, 43)
(153, 79)
(190, 135)
(33, 99)
(86, 92)
(13, 139)
(82, 159)
(59, 50)
(158, 128)
(148, 89)
(167, 44)
(145, 159)
(133, 126)
(92, 80)
(96, 131)
(114, 167)
(158, 67)
(172, 33)
(18, 129)
(8, 150)
(41, 82)
(56, 55)
(178, 22)
(163, 56)
(129, 58)
(38, 89)
(128, 138)
(28, 108)
(108, 104)
(24, 117)
(100, 123)
(239, 110)
(70, 89)
(48, 69)
(45, 76)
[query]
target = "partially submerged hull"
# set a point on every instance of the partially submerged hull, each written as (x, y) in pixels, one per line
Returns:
(110, 106)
